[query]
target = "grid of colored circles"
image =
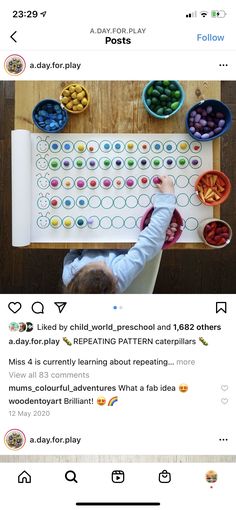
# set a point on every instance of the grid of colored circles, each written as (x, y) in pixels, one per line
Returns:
(106, 222)
(118, 182)
(68, 222)
(95, 201)
(105, 183)
(130, 163)
(93, 222)
(130, 146)
(143, 162)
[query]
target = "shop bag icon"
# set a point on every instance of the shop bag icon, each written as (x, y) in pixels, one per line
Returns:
(164, 476)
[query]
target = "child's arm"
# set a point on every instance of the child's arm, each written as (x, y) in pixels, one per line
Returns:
(150, 240)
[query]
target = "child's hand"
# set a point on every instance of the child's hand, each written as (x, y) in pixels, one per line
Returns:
(166, 185)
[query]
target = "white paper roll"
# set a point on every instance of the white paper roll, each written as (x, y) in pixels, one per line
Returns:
(21, 187)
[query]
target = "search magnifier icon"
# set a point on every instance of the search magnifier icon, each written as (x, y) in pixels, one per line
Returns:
(70, 476)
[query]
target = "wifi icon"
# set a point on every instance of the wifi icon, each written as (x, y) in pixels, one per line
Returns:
(204, 13)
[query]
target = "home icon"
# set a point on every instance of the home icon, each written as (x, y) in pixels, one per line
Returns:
(24, 477)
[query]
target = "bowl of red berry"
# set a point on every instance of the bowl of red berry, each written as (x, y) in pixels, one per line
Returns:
(215, 233)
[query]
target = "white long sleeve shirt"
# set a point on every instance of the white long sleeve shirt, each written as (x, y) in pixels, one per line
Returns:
(126, 265)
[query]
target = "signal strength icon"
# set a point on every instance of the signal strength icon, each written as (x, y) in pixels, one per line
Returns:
(191, 14)
(204, 14)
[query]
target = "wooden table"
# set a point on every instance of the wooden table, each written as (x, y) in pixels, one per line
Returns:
(116, 107)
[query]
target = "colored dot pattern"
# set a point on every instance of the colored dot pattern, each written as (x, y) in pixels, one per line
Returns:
(85, 184)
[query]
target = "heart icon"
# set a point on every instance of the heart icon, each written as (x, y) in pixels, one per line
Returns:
(224, 401)
(14, 306)
(224, 387)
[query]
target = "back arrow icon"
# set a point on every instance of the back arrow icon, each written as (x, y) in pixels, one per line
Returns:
(12, 36)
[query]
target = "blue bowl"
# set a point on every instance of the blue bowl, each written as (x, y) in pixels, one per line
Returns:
(144, 98)
(49, 116)
(218, 106)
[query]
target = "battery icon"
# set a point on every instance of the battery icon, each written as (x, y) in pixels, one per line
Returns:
(218, 14)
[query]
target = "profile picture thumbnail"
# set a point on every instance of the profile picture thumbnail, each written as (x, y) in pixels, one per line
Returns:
(211, 476)
(14, 65)
(14, 439)
(21, 326)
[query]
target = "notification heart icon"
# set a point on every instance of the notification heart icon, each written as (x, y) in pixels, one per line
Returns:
(224, 401)
(224, 387)
(14, 306)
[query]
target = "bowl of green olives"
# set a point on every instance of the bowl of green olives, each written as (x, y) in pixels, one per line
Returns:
(163, 98)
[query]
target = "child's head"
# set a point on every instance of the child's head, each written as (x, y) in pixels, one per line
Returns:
(94, 278)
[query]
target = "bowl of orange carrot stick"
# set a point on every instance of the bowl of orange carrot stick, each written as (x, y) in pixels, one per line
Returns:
(213, 187)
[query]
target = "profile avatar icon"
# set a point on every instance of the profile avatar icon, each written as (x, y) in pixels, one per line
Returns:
(211, 477)
(29, 326)
(14, 326)
(22, 327)
(14, 439)
(14, 65)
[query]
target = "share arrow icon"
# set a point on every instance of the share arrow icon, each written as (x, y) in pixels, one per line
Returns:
(60, 305)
